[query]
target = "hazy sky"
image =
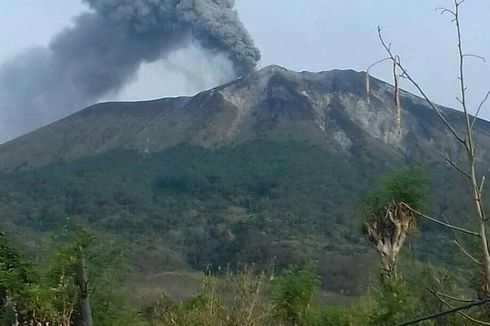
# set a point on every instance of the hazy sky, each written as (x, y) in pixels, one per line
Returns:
(310, 35)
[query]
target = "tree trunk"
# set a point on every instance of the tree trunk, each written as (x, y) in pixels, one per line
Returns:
(83, 290)
(16, 317)
(388, 233)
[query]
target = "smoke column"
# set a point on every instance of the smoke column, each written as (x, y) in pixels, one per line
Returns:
(104, 49)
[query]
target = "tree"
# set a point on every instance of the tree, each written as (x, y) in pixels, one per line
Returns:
(468, 166)
(388, 218)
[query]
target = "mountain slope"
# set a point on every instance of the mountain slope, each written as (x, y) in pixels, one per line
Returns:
(329, 108)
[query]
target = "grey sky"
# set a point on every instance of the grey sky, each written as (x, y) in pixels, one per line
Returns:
(310, 35)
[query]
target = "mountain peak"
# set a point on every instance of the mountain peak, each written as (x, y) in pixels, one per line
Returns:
(272, 68)
(339, 74)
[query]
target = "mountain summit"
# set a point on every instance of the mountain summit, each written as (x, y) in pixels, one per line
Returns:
(328, 108)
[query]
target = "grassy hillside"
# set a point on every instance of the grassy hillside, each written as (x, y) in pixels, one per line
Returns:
(194, 208)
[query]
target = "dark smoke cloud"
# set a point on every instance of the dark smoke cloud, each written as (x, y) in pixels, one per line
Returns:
(104, 49)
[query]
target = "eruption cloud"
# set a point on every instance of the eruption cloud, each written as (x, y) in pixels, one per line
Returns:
(102, 52)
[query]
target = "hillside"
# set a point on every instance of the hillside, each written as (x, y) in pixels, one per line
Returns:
(267, 167)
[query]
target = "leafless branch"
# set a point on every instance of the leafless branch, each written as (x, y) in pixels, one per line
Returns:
(376, 63)
(443, 10)
(419, 88)
(459, 312)
(482, 184)
(449, 296)
(450, 226)
(459, 244)
(466, 253)
(368, 89)
(454, 165)
(462, 76)
(396, 80)
(475, 56)
(482, 103)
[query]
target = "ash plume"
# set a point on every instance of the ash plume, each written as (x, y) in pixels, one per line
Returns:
(103, 50)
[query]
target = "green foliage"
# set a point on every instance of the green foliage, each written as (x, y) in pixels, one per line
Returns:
(391, 302)
(25, 287)
(287, 300)
(408, 185)
(245, 298)
(334, 316)
(250, 202)
(15, 276)
(205, 207)
(292, 293)
(15, 271)
(47, 290)
(398, 300)
(107, 269)
(110, 297)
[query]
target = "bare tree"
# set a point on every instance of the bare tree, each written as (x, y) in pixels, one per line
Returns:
(465, 137)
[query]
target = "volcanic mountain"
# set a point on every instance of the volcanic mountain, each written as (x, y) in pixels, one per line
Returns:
(329, 108)
(267, 167)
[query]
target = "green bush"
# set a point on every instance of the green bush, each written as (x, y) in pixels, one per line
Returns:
(292, 294)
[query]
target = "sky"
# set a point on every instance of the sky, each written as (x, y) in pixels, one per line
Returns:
(313, 35)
